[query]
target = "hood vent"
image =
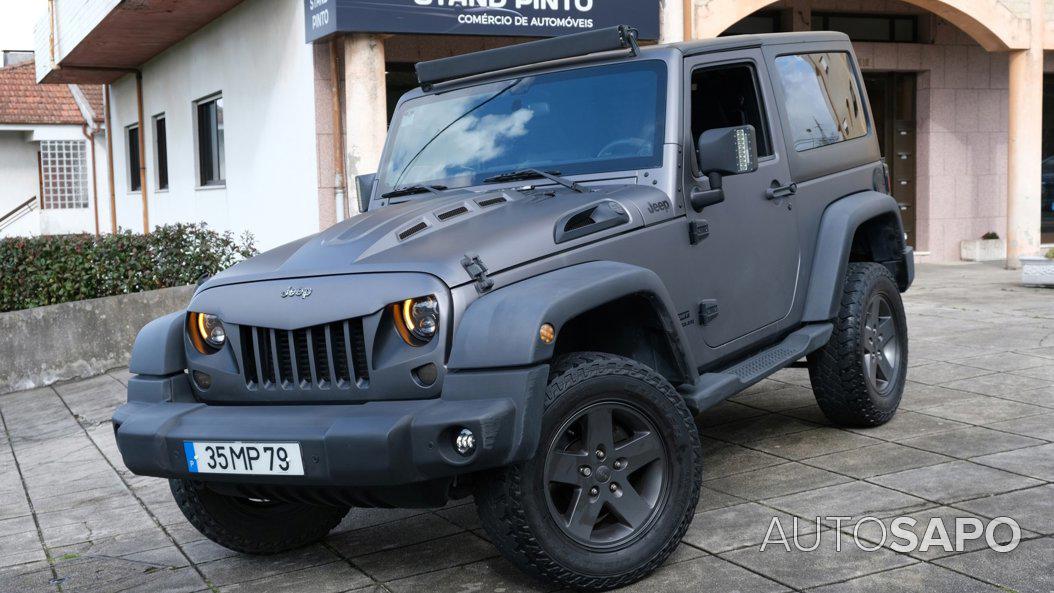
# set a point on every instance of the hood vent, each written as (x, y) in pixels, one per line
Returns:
(452, 213)
(410, 232)
(491, 201)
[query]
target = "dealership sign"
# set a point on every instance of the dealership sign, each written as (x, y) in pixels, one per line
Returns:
(524, 18)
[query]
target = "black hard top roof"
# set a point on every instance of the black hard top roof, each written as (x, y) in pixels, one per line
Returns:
(600, 44)
(738, 41)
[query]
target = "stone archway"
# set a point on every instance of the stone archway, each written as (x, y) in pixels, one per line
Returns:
(989, 22)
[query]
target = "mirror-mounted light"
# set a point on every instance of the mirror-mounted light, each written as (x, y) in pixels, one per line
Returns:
(728, 151)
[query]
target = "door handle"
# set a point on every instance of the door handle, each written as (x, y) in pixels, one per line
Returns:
(780, 191)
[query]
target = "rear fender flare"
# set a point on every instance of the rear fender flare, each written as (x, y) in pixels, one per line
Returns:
(838, 226)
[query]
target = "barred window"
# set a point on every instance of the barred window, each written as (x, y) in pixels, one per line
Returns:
(64, 174)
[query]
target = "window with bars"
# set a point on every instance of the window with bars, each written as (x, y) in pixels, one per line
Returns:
(64, 174)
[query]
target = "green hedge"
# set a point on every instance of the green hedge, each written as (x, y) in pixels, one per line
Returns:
(37, 271)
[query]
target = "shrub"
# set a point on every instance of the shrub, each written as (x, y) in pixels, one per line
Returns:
(37, 271)
(990, 235)
(1050, 253)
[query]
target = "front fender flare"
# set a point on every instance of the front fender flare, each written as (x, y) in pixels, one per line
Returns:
(158, 348)
(838, 226)
(500, 329)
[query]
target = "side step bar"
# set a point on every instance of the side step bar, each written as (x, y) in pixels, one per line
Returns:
(713, 388)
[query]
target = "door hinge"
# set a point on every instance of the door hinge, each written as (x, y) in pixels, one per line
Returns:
(478, 271)
(708, 311)
(698, 230)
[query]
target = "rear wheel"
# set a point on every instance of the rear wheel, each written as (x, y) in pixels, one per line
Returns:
(253, 526)
(859, 376)
(614, 484)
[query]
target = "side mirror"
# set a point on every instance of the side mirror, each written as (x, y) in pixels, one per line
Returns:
(364, 188)
(728, 151)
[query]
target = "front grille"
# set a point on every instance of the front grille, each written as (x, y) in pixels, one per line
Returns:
(328, 356)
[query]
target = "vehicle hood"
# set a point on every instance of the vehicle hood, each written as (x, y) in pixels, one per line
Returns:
(505, 228)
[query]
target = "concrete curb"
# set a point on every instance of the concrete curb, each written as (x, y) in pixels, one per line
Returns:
(78, 339)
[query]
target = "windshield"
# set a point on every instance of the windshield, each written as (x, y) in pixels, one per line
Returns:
(587, 120)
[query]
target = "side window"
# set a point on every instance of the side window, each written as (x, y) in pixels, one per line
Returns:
(726, 96)
(822, 97)
(132, 133)
(209, 119)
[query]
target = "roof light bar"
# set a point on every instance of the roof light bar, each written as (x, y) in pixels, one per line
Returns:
(535, 52)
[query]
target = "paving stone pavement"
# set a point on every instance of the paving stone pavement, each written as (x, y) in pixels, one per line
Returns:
(973, 439)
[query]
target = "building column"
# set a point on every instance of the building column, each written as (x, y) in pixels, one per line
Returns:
(365, 107)
(797, 16)
(671, 21)
(1025, 149)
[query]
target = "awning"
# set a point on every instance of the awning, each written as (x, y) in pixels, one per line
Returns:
(129, 35)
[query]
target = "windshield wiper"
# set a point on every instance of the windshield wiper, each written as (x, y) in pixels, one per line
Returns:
(414, 189)
(526, 174)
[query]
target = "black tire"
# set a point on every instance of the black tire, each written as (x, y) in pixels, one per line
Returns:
(253, 527)
(518, 505)
(852, 384)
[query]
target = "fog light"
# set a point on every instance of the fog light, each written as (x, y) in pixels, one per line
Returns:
(203, 380)
(465, 442)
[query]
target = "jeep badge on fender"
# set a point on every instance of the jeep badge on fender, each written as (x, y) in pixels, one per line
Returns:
(557, 267)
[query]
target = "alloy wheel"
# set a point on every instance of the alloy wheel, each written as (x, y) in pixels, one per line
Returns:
(606, 475)
(881, 344)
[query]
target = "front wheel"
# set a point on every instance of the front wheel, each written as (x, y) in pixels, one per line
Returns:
(858, 377)
(614, 484)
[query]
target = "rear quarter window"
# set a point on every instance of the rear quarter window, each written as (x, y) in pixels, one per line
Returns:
(823, 101)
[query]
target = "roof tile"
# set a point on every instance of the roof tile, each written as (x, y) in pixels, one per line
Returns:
(23, 101)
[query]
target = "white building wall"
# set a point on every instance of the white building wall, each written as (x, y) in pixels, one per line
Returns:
(19, 180)
(256, 56)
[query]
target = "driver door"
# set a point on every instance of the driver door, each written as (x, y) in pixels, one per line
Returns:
(745, 271)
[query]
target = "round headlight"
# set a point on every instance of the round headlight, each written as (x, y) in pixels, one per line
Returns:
(417, 319)
(210, 330)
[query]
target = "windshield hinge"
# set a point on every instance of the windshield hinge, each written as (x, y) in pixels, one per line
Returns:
(478, 271)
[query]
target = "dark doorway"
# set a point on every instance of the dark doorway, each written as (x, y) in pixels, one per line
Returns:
(401, 78)
(892, 97)
(1047, 192)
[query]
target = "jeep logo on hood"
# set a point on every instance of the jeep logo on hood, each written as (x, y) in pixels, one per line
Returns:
(296, 292)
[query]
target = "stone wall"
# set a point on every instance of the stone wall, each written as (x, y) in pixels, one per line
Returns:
(79, 339)
(962, 108)
(961, 114)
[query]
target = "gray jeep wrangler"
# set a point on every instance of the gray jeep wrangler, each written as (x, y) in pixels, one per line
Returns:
(572, 248)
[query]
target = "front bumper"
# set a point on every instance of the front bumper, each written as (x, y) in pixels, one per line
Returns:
(378, 443)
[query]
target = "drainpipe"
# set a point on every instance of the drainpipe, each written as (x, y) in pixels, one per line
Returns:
(343, 210)
(142, 150)
(90, 137)
(689, 20)
(109, 161)
(51, 33)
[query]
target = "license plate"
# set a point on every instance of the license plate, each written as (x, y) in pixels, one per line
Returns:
(263, 459)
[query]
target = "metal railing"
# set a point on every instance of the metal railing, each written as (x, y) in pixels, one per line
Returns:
(16, 213)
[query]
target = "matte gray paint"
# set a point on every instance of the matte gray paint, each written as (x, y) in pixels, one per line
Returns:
(837, 229)
(517, 312)
(354, 445)
(158, 348)
(357, 267)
